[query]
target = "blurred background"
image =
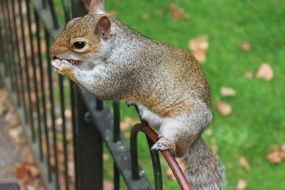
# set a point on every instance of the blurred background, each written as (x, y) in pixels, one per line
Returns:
(240, 46)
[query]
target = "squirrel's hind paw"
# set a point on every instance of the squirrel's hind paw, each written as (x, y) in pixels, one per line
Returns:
(163, 144)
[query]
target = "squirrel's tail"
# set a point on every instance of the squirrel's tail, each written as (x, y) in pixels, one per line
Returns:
(204, 171)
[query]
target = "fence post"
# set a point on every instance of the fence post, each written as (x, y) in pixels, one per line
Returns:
(89, 150)
(88, 142)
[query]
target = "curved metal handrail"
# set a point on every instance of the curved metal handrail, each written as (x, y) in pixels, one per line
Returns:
(173, 164)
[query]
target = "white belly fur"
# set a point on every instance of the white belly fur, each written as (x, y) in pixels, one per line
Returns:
(152, 118)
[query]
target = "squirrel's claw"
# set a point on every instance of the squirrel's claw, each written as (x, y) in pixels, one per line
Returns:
(162, 144)
(64, 67)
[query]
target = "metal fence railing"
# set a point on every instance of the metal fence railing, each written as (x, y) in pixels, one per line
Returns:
(66, 127)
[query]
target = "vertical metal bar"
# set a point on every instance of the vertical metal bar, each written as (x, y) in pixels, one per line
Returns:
(30, 107)
(2, 60)
(89, 176)
(42, 77)
(74, 132)
(78, 8)
(14, 45)
(116, 138)
(62, 108)
(53, 14)
(75, 6)
(66, 10)
(35, 79)
(89, 158)
(5, 43)
(116, 113)
(52, 113)
(14, 74)
(22, 82)
(8, 42)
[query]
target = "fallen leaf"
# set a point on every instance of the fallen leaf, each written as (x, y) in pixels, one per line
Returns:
(176, 12)
(244, 164)
(26, 172)
(245, 46)
(241, 185)
(226, 91)
(276, 156)
(265, 72)
(224, 108)
(33, 170)
(127, 122)
(199, 47)
(21, 173)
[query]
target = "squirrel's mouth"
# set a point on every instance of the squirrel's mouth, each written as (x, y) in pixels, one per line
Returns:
(71, 61)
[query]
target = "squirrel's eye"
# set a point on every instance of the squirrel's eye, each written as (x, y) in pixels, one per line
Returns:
(79, 45)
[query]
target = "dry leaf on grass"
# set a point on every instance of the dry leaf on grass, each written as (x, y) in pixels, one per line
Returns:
(226, 91)
(276, 156)
(127, 122)
(245, 46)
(176, 12)
(169, 172)
(241, 185)
(199, 47)
(244, 164)
(223, 108)
(265, 72)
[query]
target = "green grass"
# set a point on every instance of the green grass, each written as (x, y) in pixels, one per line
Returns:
(257, 121)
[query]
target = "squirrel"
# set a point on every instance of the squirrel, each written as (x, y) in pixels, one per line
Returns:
(166, 83)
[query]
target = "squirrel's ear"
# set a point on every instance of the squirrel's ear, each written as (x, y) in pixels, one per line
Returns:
(96, 7)
(103, 27)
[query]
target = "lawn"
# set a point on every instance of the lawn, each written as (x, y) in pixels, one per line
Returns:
(257, 122)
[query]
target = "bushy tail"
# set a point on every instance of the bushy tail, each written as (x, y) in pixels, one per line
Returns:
(204, 171)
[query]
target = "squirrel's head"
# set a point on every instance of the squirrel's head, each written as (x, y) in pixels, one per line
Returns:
(82, 37)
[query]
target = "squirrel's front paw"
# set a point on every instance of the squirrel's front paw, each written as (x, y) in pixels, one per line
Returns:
(163, 144)
(64, 67)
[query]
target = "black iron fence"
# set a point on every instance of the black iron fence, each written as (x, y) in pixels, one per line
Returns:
(66, 126)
